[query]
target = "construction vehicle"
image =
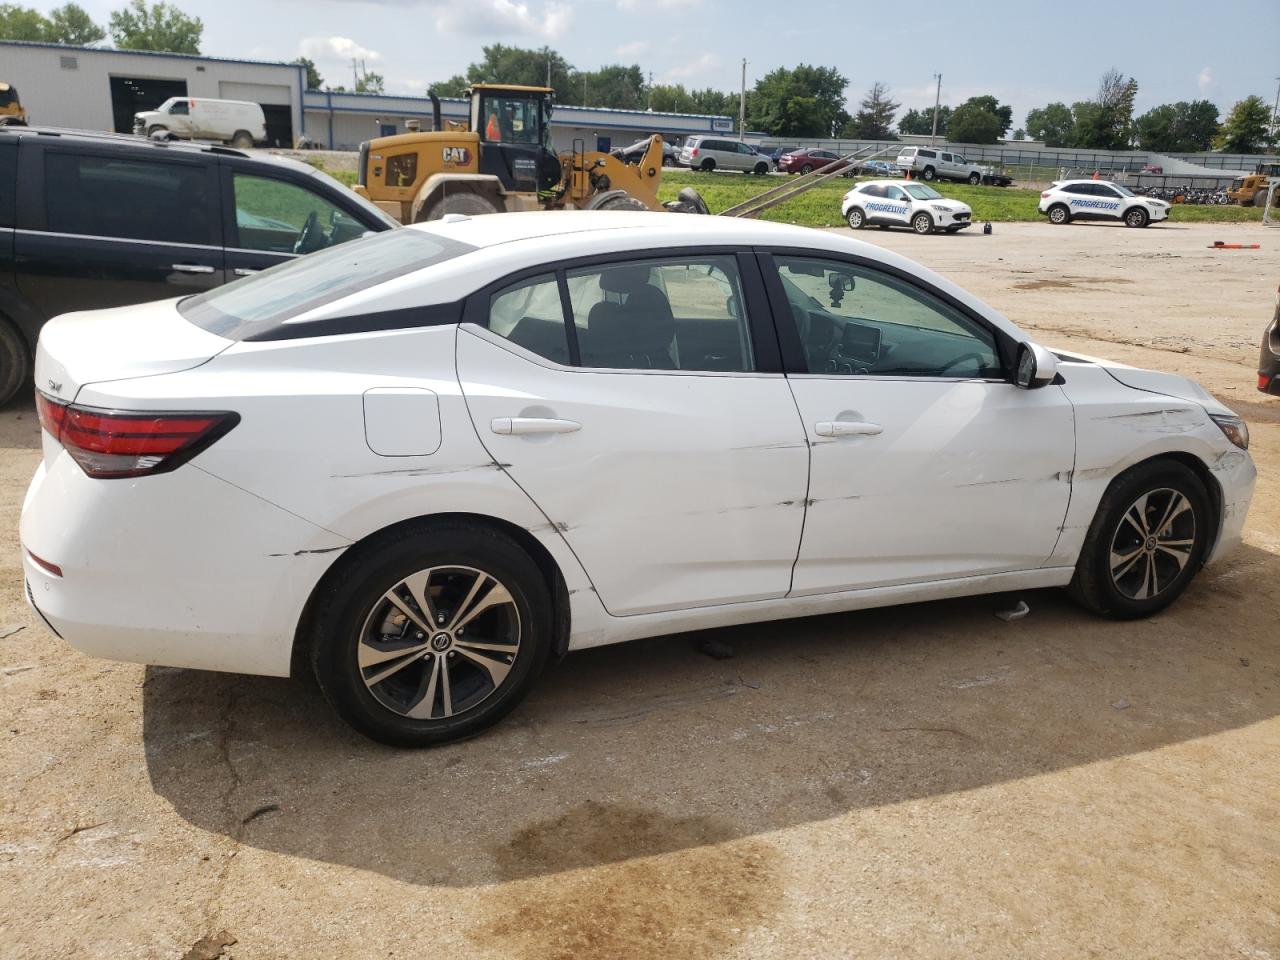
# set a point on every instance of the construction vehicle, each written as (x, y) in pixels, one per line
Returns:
(1250, 190)
(11, 112)
(503, 161)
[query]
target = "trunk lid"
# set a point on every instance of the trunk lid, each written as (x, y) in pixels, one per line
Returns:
(143, 340)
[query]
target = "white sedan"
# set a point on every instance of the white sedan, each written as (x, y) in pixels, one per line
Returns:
(1068, 200)
(893, 203)
(423, 463)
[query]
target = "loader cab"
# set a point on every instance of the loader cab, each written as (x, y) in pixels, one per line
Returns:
(514, 124)
(10, 106)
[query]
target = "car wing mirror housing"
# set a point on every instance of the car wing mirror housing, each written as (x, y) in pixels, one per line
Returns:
(1037, 367)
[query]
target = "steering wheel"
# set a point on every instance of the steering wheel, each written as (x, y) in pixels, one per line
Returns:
(311, 237)
(976, 357)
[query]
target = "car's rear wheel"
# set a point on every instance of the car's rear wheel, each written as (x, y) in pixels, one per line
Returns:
(857, 219)
(431, 634)
(929, 173)
(975, 178)
(807, 168)
(1059, 214)
(922, 223)
(707, 165)
(1146, 542)
(242, 140)
(1136, 217)
(15, 362)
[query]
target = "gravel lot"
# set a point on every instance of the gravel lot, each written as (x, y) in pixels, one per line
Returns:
(926, 781)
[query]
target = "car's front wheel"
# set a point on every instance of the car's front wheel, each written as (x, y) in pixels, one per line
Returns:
(1136, 217)
(431, 634)
(1146, 542)
(760, 169)
(922, 223)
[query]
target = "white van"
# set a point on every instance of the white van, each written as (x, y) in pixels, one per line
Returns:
(237, 122)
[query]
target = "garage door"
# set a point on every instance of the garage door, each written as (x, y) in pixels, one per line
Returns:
(263, 93)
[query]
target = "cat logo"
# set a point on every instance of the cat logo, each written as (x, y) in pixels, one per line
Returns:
(459, 155)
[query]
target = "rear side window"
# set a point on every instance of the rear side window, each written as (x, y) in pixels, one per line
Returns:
(8, 181)
(530, 315)
(262, 307)
(129, 199)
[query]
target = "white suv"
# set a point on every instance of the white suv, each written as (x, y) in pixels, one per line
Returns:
(1068, 200)
(890, 203)
(925, 163)
(714, 153)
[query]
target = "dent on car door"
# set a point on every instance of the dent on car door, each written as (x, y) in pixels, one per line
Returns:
(270, 219)
(102, 227)
(926, 463)
(653, 428)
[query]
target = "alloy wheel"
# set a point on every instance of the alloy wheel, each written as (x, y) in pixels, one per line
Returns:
(1152, 544)
(439, 642)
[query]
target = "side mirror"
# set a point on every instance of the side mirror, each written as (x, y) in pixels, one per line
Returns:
(1037, 367)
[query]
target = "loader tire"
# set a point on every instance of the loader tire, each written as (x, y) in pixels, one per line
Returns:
(468, 204)
(622, 203)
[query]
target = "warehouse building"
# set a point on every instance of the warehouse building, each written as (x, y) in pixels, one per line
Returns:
(101, 89)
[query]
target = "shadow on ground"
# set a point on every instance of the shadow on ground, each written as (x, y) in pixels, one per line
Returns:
(653, 747)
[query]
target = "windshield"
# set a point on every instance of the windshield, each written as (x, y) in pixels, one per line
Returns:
(260, 307)
(921, 192)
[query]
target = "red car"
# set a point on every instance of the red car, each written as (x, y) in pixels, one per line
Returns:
(806, 161)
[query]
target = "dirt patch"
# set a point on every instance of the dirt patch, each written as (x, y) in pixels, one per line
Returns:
(1067, 283)
(696, 902)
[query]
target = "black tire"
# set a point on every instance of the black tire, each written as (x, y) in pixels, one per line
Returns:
(1059, 214)
(807, 168)
(1136, 217)
(152, 131)
(922, 223)
(468, 204)
(354, 599)
(1094, 586)
(242, 140)
(15, 361)
(856, 218)
(622, 203)
(761, 169)
(929, 174)
(707, 165)
(975, 178)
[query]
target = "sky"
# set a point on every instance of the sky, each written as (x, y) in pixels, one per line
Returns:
(1027, 53)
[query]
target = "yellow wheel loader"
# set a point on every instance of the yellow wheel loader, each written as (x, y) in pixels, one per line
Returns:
(1251, 189)
(11, 111)
(504, 161)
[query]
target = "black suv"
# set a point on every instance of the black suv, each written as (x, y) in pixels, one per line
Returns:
(91, 220)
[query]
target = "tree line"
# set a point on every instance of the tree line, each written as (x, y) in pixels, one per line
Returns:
(135, 26)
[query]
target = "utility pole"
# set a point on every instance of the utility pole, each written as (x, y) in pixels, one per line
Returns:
(742, 103)
(651, 91)
(355, 75)
(1275, 113)
(548, 71)
(937, 103)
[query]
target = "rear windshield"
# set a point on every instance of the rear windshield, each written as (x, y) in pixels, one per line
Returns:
(260, 307)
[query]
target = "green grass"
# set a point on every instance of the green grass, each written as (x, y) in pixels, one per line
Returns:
(820, 207)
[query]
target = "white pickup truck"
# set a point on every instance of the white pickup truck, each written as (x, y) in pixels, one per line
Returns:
(237, 122)
(927, 163)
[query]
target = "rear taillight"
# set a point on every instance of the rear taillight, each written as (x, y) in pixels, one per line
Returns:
(115, 443)
(695, 152)
(1045, 195)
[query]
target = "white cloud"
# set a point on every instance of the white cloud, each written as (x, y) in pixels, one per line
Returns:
(633, 6)
(695, 68)
(330, 51)
(504, 17)
(633, 49)
(1205, 81)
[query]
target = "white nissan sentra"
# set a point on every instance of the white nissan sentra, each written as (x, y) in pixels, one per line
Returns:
(422, 463)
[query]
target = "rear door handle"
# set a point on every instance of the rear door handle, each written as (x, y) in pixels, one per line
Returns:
(192, 268)
(514, 426)
(847, 428)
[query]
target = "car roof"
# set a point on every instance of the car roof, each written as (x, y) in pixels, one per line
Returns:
(145, 143)
(1063, 183)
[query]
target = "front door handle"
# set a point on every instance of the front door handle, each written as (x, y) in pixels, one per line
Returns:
(244, 271)
(516, 426)
(192, 268)
(847, 428)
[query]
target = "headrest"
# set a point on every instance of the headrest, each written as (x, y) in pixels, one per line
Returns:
(623, 279)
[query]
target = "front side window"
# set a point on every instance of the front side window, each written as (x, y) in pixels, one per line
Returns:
(857, 321)
(661, 314)
(128, 199)
(510, 119)
(530, 315)
(180, 108)
(281, 217)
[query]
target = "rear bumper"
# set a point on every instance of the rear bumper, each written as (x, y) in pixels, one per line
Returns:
(153, 571)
